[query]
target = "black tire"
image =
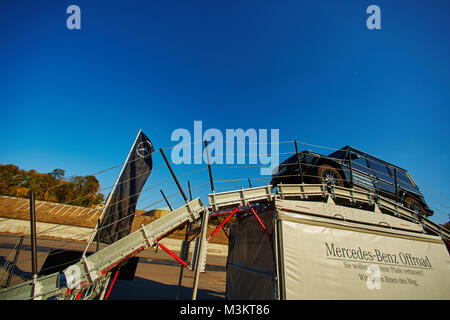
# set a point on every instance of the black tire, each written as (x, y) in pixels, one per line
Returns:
(327, 173)
(413, 204)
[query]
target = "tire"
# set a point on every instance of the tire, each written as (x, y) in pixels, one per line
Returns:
(327, 173)
(413, 204)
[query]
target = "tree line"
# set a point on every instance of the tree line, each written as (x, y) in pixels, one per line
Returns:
(52, 186)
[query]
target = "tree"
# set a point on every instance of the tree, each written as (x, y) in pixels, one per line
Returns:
(52, 186)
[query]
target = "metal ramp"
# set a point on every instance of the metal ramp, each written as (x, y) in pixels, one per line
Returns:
(89, 277)
(91, 272)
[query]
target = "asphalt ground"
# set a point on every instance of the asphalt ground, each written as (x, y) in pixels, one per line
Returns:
(156, 276)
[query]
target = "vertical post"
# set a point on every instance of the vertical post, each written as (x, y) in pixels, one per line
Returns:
(173, 175)
(249, 183)
(187, 226)
(351, 169)
(184, 255)
(184, 249)
(396, 187)
(33, 234)
(200, 252)
(209, 167)
(298, 162)
(97, 236)
(190, 192)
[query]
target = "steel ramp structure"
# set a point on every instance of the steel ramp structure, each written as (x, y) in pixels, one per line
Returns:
(88, 278)
(92, 271)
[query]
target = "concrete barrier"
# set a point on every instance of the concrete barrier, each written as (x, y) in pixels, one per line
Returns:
(45, 229)
(53, 230)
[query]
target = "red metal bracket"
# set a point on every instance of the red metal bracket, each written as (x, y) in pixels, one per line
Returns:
(223, 223)
(112, 283)
(81, 291)
(174, 255)
(260, 221)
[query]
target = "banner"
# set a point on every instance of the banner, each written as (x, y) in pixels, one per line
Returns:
(321, 262)
(119, 214)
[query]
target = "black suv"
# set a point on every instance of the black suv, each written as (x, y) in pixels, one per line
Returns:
(350, 167)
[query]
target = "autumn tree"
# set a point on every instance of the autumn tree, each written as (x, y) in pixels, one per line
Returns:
(52, 186)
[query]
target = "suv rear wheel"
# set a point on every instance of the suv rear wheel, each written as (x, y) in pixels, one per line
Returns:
(413, 204)
(327, 173)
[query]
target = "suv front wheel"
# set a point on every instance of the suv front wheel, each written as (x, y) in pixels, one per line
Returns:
(327, 173)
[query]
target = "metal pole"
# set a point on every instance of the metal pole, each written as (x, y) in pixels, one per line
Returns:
(173, 175)
(33, 234)
(97, 236)
(396, 187)
(249, 183)
(184, 249)
(167, 201)
(351, 168)
(186, 200)
(201, 248)
(16, 256)
(184, 255)
(209, 167)
(190, 192)
(298, 162)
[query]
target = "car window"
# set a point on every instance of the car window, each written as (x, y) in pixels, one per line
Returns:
(361, 173)
(359, 163)
(403, 179)
(380, 169)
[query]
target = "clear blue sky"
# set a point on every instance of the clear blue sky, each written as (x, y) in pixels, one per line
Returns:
(75, 99)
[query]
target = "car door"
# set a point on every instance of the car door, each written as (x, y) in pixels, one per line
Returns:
(362, 175)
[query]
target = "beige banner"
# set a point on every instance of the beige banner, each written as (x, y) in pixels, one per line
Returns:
(323, 262)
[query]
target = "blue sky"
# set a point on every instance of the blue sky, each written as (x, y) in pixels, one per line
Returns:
(75, 99)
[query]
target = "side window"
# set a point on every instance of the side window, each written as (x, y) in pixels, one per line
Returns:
(359, 162)
(380, 170)
(403, 179)
(361, 173)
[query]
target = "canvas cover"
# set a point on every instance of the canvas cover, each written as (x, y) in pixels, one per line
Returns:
(250, 263)
(320, 259)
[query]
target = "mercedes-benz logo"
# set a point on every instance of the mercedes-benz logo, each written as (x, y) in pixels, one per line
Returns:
(144, 149)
